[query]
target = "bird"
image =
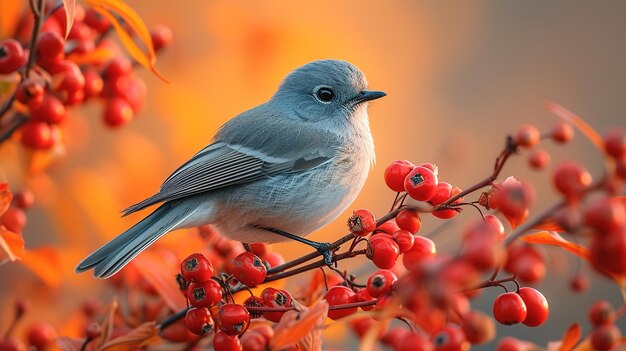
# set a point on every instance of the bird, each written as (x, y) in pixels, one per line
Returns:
(276, 172)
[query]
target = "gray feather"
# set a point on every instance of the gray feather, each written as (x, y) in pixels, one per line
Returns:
(113, 256)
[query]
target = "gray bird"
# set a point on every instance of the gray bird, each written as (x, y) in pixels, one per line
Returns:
(278, 171)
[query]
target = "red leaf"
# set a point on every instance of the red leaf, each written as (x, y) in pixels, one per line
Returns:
(554, 239)
(5, 197)
(70, 9)
(145, 334)
(548, 225)
(162, 277)
(44, 261)
(301, 327)
(12, 244)
(570, 338)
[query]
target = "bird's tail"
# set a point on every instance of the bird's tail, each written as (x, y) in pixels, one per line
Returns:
(110, 258)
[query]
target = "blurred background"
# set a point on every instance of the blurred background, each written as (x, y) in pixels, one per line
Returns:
(459, 77)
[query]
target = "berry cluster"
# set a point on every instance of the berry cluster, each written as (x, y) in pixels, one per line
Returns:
(39, 336)
(55, 72)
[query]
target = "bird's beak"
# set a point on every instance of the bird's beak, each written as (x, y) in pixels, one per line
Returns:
(366, 95)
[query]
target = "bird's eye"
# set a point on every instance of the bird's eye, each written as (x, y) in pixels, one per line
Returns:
(325, 94)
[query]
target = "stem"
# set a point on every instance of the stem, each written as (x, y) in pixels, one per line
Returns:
(173, 318)
(491, 282)
(524, 227)
(331, 308)
(335, 245)
(314, 265)
(19, 120)
(39, 17)
(509, 149)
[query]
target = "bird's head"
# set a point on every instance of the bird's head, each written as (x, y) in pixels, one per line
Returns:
(325, 91)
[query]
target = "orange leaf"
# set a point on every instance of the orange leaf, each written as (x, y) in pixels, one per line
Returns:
(44, 261)
(578, 122)
(554, 239)
(111, 8)
(145, 334)
(549, 225)
(12, 244)
(162, 278)
(571, 337)
(108, 323)
(70, 9)
(96, 57)
(304, 328)
(5, 198)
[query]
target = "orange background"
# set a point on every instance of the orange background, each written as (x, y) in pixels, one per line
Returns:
(459, 77)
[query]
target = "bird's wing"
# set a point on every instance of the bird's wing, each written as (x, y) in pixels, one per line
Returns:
(220, 165)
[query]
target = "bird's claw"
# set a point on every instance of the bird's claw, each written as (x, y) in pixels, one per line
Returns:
(324, 249)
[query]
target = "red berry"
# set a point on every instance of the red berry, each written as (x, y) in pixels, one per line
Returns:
(196, 268)
(526, 262)
(254, 301)
(234, 319)
(385, 251)
(421, 184)
(119, 66)
(117, 113)
(249, 269)
(14, 219)
(30, 91)
(450, 338)
(50, 110)
(381, 282)
(12, 56)
(161, 37)
(579, 283)
(259, 249)
(527, 136)
(539, 159)
(42, 336)
(444, 192)
(514, 198)
(536, 306)
(571, 179)
(225, 342)
(482, 246)
(409, 220)
(509, 308)
(615, 143)
(37, 135)
(605, 214)
(266, 331)
(199, 321)
(508, 343)
(93, 84)
(423, 250)
(50, 45)
(608, 252)
(273, 259)
(69, 82)
(414, 342)
(388, 227)
(275, 298)
(253, 341)
(602, 313)
(395, 174)
(96, 21)
(495, 222)
(404, 239)
(11, 345)
(362, 223)
(605, 337)
(362, 296)
(340, 295)
(562, 132)
(204, 294)
(478, 327)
